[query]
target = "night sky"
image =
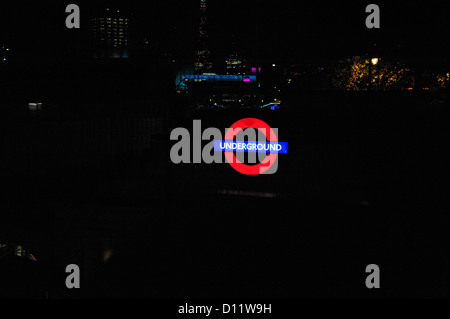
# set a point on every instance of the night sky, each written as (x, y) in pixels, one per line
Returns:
(87, 152)
(278, 29)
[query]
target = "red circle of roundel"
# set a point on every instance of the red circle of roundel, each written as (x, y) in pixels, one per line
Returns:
(270, 159)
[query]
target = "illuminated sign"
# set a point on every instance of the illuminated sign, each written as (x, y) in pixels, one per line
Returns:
(251, 147)
(219, 78)
(266, 149)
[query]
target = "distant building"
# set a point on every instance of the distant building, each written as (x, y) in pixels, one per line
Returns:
(110, 34)
(237, 88)
(212, 91)
(236, 63)
(15, 250)
(202, 63)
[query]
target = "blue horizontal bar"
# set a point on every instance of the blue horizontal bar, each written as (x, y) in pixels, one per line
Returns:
(251, 147)
(220, 78)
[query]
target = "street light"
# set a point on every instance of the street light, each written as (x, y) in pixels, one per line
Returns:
(374, 62)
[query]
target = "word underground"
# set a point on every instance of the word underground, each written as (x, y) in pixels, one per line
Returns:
(255, 131)
(256, 147)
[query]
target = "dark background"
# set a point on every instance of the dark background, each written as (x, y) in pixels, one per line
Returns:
(272, 29)
(366, 179)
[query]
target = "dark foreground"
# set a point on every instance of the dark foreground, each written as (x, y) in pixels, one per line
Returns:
(362, 184)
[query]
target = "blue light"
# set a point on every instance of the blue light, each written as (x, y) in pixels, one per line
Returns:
(251, 147)
(272, 106)
(219, 78)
